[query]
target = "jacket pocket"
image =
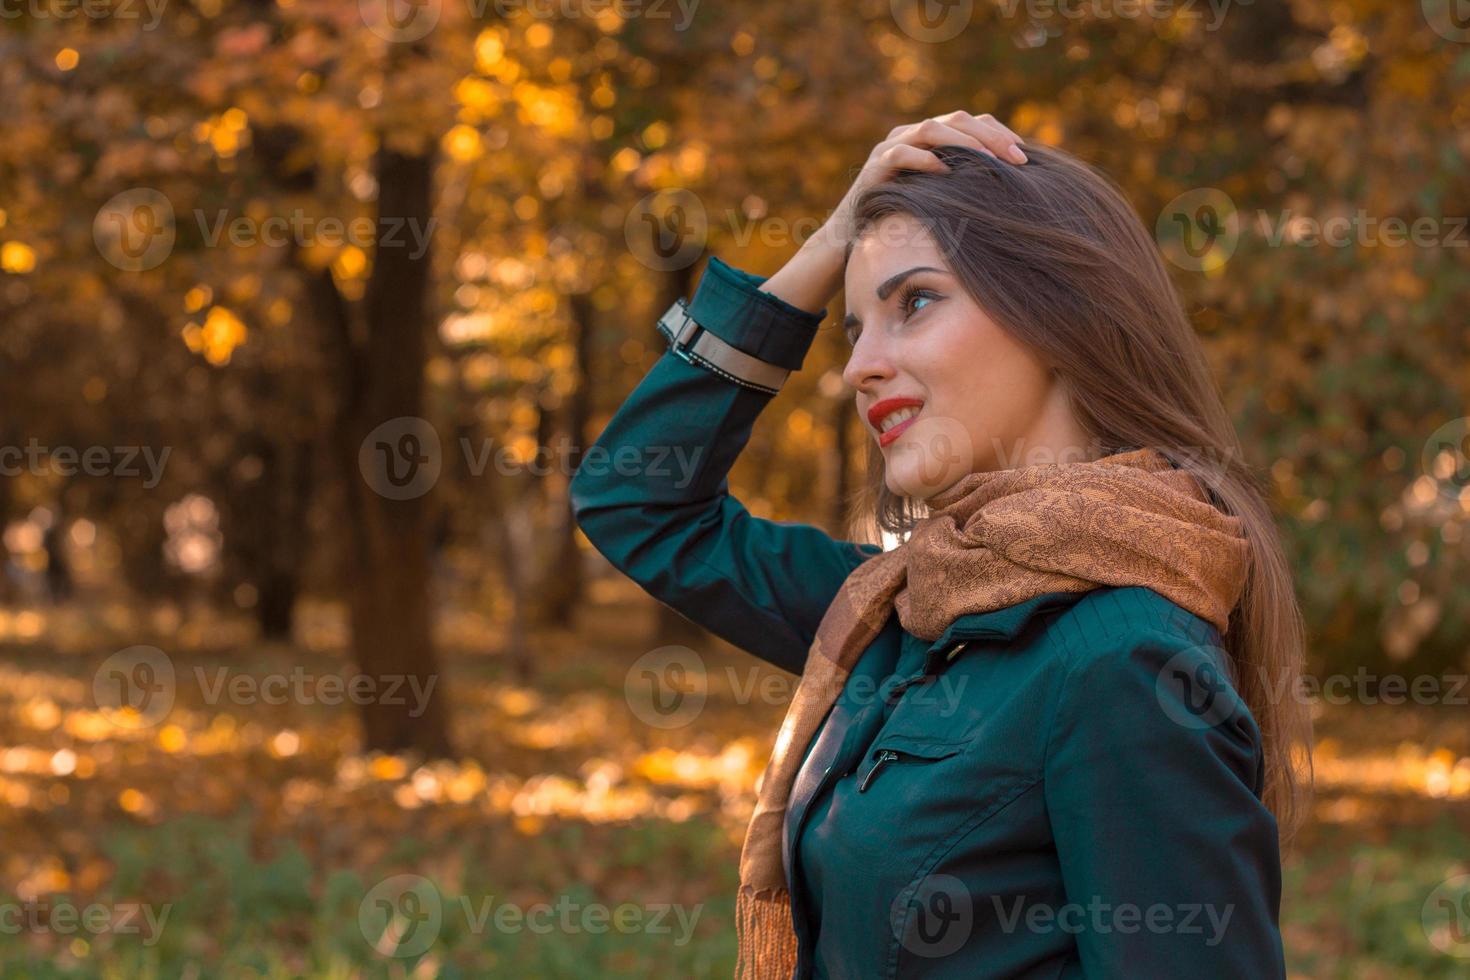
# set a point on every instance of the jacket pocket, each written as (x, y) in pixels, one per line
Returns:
(897, 749)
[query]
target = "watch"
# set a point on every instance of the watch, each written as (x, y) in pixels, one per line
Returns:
(699, 346)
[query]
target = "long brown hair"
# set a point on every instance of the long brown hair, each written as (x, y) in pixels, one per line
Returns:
(1056, 255)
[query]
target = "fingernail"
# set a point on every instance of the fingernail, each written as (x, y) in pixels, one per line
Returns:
(1015, 154)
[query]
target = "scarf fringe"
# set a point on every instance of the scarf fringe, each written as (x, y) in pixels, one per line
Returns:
(764, 938)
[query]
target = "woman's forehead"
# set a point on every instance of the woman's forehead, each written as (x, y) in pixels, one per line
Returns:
(895, 240)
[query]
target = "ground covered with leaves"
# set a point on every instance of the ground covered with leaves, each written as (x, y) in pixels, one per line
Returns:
(569, 839)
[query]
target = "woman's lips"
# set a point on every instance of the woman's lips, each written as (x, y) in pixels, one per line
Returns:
(884, 438)
(882, 409)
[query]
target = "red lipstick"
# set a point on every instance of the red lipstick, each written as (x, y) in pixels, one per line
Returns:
(880, 410)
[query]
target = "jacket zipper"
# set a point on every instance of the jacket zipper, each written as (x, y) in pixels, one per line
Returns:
(887, 755)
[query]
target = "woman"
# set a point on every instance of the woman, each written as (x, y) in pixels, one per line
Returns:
(1044, 736)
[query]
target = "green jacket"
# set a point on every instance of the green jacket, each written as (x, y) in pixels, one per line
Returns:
(1068, 787)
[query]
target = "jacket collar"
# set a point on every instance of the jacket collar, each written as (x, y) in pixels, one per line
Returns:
(997, 624)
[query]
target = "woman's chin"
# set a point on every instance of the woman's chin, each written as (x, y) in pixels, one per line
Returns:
(928, 457)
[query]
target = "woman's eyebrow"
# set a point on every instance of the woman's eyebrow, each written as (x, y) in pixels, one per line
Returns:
(886, 288)
(893, 282)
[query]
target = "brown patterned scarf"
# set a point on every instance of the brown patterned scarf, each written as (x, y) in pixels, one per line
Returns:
(993, 539)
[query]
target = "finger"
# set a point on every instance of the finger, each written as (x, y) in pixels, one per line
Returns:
(972, 133)
(998, 137)
(906, 156)
(990, 131)
(960, 119)
(986, 119)
(932, 132)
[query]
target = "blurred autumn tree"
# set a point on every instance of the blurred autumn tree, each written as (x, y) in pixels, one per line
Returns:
(547, 160)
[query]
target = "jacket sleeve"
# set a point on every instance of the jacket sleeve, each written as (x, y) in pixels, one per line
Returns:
(1153, 779)
(652, 493)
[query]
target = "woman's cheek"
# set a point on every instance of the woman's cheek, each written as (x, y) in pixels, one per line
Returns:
(930, 455)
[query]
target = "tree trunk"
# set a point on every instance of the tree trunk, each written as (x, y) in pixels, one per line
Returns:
(561, 592)
(379, 361)
(510, 536)
(392, 635)
(263, 517)
(7, 590)
(279, 585)
(59, 585)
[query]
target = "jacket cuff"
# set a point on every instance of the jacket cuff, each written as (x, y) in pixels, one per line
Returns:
(730, 304)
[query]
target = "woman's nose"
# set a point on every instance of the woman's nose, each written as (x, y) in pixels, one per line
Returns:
(868, 365)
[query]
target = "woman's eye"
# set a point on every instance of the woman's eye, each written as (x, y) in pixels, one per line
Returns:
(912, 297)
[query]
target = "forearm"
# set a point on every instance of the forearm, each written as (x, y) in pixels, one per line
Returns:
(652, 495)
(812, 276)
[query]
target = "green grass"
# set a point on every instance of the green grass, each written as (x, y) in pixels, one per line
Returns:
(234, 915)
(1357, 905)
